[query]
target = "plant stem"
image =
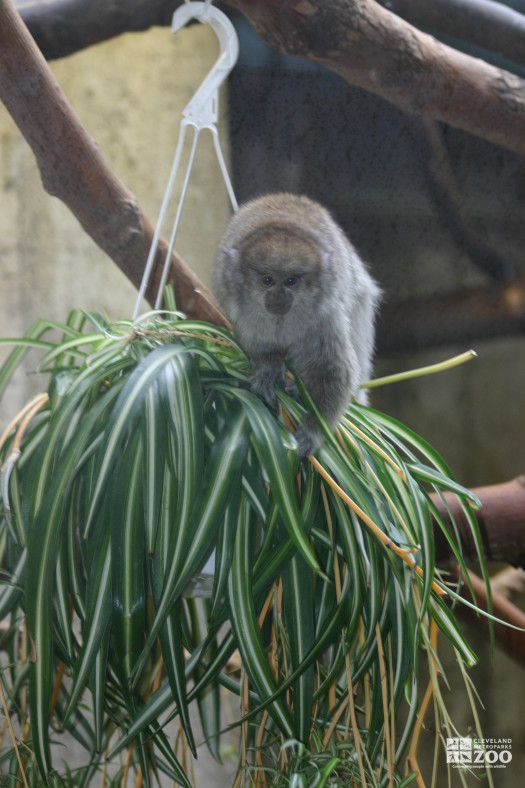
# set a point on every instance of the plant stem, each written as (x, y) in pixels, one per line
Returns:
(403, 553)
(441, 366)
(11, 731)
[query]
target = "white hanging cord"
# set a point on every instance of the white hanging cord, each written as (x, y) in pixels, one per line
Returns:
(200, 113)
(165, 269)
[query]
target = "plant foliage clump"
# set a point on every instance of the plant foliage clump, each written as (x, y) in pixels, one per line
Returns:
(148, 454)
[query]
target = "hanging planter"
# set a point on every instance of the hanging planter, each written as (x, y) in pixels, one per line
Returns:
(147, 453)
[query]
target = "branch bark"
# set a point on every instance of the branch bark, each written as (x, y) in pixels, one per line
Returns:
(486, 23)
(479, 313)
(512, 641)
(74, 170)
(447, 195)
(501, 522)
(366, 44)
(374, 49)
(61, 27)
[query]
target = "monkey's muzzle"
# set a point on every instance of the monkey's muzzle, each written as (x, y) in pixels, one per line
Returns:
(278, 303)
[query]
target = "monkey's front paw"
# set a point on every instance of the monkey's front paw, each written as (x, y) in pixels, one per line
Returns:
(263, 385)
(291, 389)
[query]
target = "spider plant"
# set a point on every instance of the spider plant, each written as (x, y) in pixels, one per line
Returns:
(147, 457)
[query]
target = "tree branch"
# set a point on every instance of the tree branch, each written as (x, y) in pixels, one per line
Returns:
(501, 522)
(61, 27)
(366, 44)
(374, 49)
(437, 320)
(449, 199)
(73, 169)
(486, 23)
(512, 641)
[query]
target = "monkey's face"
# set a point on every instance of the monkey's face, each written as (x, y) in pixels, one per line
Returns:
(280, 291)
(280, 270)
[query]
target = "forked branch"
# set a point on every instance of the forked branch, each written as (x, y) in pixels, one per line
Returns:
(74, 170)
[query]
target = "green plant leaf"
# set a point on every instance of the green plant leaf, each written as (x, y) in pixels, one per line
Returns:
(96, 627)
(31, 339)
(274, 459)
(182, 401)
(208, 699)
(125, 415)
(128, 562)
(242, 612)
(224, 552)
(221, 475)
(45, 535)
(155, 444)
(11, 590)
(299, 617)
(425, 474)
(448, 625)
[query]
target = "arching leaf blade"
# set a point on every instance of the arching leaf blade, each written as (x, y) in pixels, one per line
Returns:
(222, 473)
(243, 617)
(274, 459)
(125, 416)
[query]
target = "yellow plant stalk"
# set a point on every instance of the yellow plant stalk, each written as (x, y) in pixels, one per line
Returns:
(25, 416)
(412, 762)
(403, 553)
(431, 369)
(12, 733)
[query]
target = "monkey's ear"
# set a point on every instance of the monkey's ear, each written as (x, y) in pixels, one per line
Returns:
(233, 254)
(327, 259)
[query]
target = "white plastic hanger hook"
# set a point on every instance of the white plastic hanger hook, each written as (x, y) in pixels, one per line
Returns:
(200, 113)
(202, 109)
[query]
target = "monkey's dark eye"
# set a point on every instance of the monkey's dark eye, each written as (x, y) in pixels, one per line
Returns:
(267, 280)
(291, 281)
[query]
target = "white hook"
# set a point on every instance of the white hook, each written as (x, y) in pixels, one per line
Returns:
(203, 107)
(201, 113)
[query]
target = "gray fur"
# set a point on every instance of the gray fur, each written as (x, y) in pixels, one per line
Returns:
(317, 312)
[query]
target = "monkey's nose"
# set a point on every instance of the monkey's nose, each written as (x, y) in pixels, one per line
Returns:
(278, 301)
(279, 306)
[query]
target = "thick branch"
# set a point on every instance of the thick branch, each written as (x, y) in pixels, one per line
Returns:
(512, 641)
(501, 522)
(437, 320)
(61, 27)
(486, 23)
(365, 43)
(73, 169)
(374, 49)
(449, 199)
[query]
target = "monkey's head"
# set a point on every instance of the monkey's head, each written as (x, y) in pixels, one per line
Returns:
(280, 267)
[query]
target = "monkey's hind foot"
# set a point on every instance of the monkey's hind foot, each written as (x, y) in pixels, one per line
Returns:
(308, 437)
